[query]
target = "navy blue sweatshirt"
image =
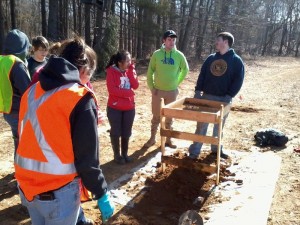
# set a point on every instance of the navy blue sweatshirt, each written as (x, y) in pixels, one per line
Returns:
(221, 75)
(83, 121)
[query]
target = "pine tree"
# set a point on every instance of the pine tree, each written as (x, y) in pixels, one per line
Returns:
(110, 43)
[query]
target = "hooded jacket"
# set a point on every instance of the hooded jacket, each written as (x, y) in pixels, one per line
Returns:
(120, 86)
(83, 123)
(167, 69)
(221, 75)
(17, 43)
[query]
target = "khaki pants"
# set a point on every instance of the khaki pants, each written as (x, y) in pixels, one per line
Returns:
(168, 96)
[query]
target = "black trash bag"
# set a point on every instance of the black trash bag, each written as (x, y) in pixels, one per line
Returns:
(269, 137)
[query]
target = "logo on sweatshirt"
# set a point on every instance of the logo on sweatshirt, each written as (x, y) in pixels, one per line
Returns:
(124, 83)
(169, 61)
(218, 67)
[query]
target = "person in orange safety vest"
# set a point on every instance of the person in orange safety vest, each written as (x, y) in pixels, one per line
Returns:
(59, 145)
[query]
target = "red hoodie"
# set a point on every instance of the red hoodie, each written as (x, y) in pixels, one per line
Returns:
(120, 86)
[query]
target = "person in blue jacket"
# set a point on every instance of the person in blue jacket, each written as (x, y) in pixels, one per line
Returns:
(220, 79)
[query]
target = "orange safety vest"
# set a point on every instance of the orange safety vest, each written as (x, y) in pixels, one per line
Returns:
(45, 159)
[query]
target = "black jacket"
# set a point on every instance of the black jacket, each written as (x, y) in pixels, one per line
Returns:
(20, 81)
(83, 120)
(34, 65)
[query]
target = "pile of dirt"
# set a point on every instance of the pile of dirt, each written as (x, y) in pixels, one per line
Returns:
(166, 196)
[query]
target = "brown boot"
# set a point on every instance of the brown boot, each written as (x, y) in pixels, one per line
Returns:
(152, 140)
(169, 143)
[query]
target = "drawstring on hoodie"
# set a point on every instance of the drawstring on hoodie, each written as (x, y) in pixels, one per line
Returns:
(171, 60)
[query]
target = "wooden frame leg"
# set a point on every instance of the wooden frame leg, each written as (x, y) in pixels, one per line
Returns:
(219, 144)
(163, 138)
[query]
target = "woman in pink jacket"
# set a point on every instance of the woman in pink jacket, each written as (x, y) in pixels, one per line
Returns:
(121, 80)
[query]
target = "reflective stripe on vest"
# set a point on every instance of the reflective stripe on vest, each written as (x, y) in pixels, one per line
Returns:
(54, 166)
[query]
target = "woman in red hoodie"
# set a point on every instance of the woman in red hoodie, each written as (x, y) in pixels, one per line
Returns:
(121, 80)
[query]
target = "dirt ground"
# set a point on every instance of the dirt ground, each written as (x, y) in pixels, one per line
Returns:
(269, 98)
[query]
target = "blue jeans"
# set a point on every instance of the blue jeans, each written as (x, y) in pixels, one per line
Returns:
(81, 217)
(63, 210)
(201, 129)
(13, 120)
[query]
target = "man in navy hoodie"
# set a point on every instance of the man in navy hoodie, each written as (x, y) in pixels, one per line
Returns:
(220, 79)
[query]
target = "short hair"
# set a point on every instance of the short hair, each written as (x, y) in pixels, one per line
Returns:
(227, 36)
(40, 41)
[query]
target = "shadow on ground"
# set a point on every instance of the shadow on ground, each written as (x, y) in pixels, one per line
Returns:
(112, 171)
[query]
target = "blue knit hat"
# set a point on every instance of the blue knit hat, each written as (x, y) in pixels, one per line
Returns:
(16, 43)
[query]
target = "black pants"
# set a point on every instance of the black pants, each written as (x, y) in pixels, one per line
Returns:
(120, 122)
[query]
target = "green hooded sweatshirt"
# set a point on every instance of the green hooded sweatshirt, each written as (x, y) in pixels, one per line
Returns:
(167, 69)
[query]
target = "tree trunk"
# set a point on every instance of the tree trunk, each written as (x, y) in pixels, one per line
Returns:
(79, 28)
(182, 22)
(98, 29)
(2, 34)
(129, 34)
(140, 35)
(53, 20)
(65, 21)
(158, 38)
(121, 35)
(61, 19)
(173, 14)
(44, 19)
(188, 28)
(74, 15)
(87, 22)
(297, 46)
(13, 14)
(223, 18)
(110, 8)
(290, 32)
(283, 38)
(199, 30)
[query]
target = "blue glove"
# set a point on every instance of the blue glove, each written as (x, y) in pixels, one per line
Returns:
(106, 207)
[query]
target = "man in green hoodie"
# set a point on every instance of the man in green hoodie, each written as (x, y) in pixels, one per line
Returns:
(167, 69)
